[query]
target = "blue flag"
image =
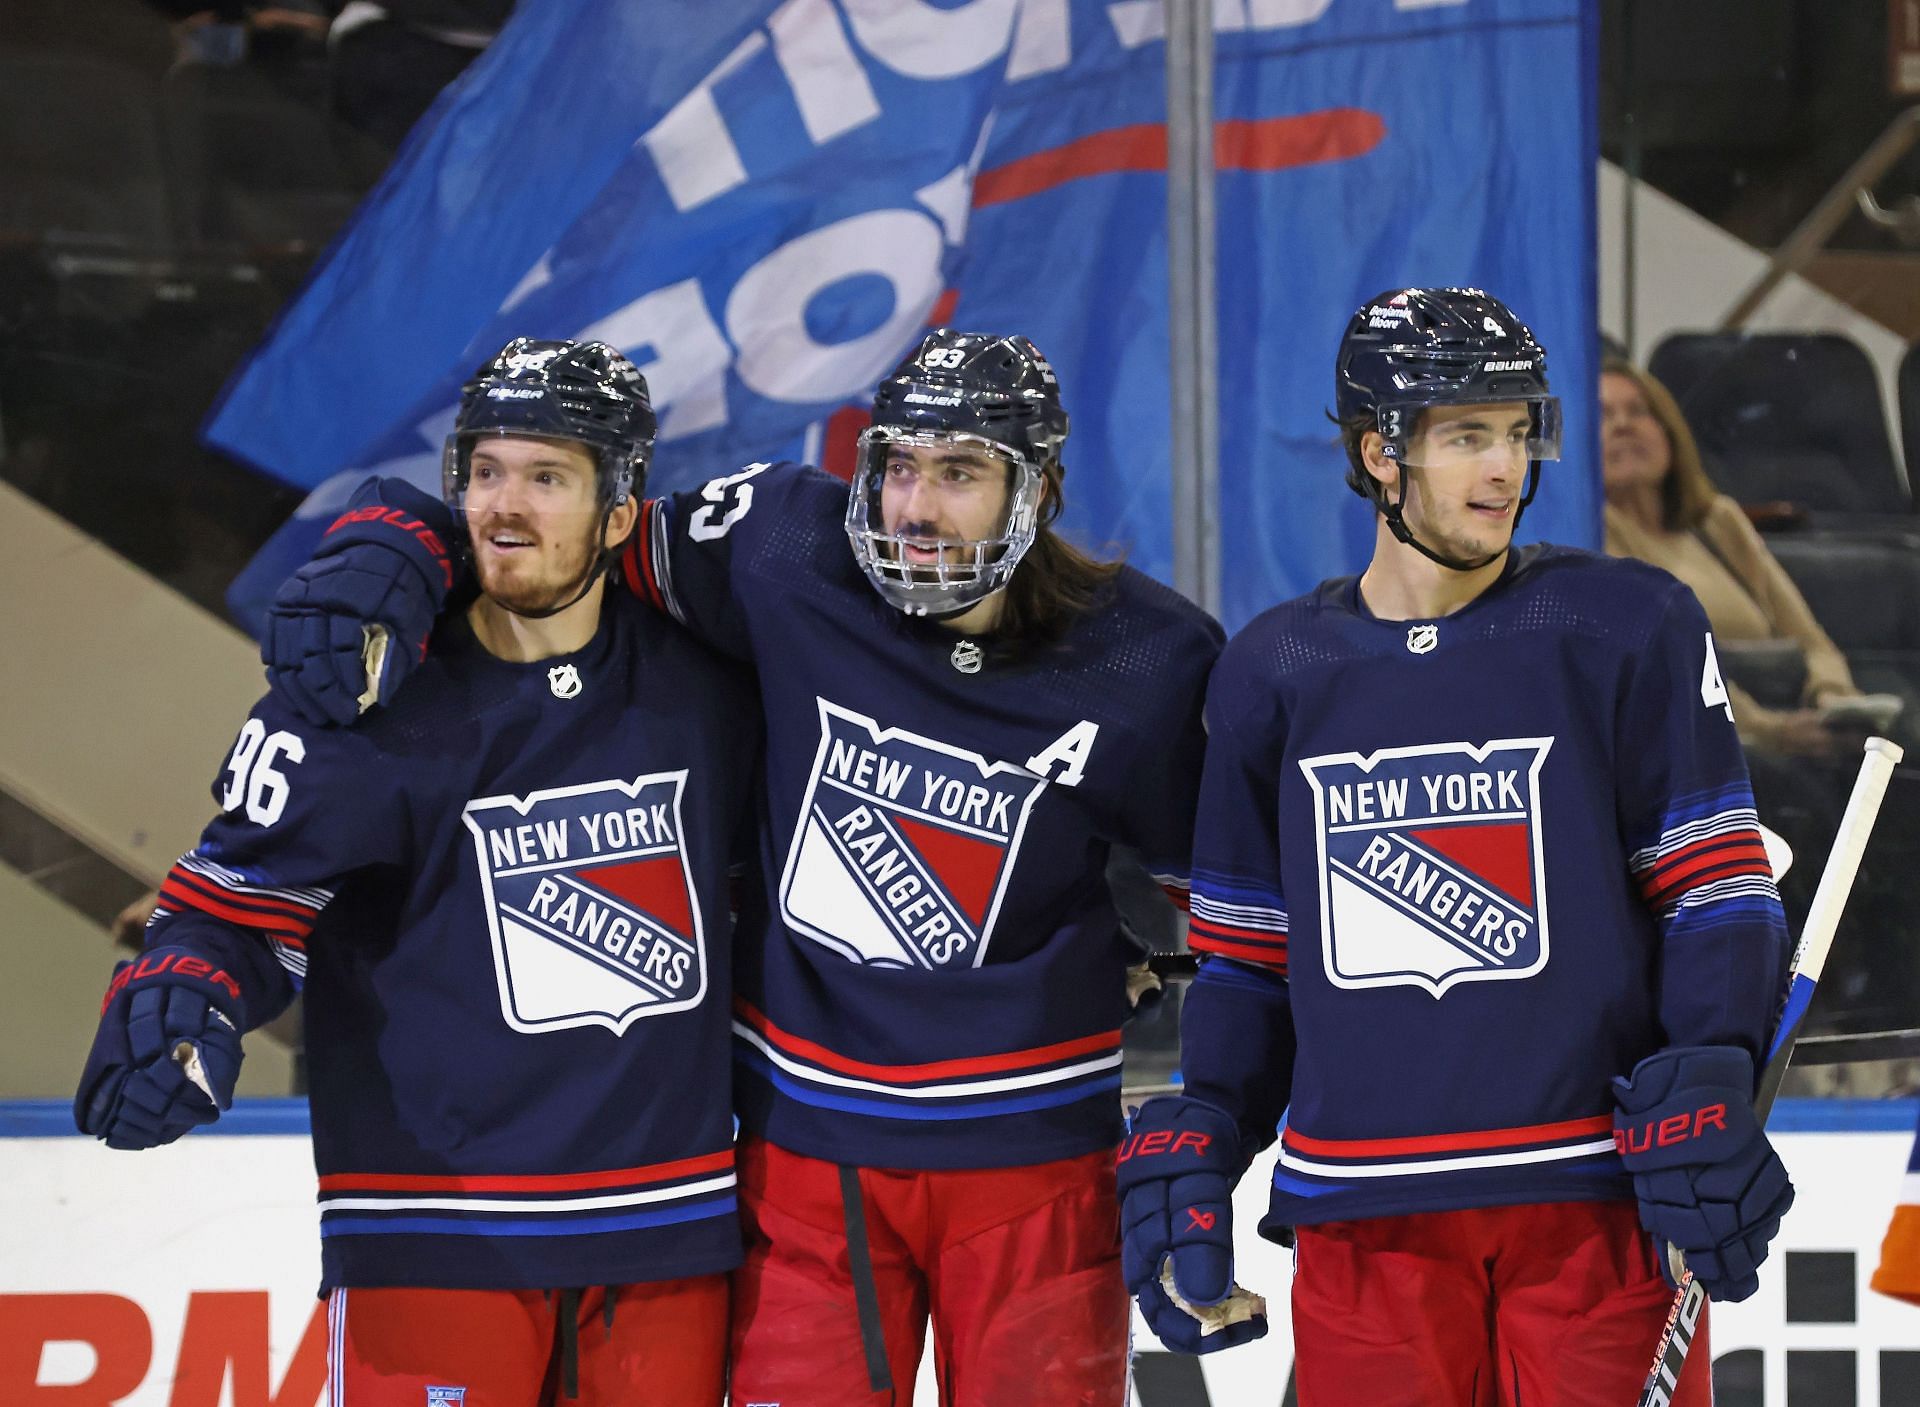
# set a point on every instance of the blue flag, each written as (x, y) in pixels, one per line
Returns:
(1461, 145)
(765, 204)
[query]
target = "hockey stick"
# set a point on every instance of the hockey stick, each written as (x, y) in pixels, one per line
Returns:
(1843, 862)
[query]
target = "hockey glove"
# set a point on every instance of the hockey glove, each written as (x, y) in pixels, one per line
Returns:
(384, 563)
(1177, 1168)
(1708, 1181)
(170, 1021)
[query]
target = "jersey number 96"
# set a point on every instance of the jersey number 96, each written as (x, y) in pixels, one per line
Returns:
(252, 776)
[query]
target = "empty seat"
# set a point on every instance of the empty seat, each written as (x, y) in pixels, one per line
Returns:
(1864, 591)
(1794, 416)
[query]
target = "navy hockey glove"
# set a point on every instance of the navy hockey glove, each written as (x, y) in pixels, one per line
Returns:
(1177, 1167)
(1708, 1181)
(384, 562)
(136, 1091)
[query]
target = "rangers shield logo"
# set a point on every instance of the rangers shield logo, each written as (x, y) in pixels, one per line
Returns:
(590, 903)
(1430, 865)
(903, 845)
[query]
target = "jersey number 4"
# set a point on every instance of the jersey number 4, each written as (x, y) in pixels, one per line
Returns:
(1713, 689)
(252, 778)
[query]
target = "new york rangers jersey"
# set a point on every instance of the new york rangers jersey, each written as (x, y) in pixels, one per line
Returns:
(505, 897)
(935, 974)
(1483, 864)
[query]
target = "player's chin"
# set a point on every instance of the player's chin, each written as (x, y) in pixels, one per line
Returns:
(1489, 533)
(516, 593)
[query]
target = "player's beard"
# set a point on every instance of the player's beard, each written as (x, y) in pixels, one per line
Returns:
(545, 576)
(956, 552)
(951, 551)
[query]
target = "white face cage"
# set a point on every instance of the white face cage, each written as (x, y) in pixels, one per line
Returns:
(964, 572)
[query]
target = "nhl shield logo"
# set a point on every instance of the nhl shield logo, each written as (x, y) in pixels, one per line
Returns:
(590, 903)
(904, 845)
(1430, 866)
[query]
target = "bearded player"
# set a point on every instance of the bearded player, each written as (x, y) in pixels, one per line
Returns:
(965, 715)
(506, 900)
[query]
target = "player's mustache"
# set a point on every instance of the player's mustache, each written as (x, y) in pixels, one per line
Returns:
(507, 523)
(924, 528)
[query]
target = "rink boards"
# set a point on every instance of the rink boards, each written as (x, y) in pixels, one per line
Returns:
(199, 1262)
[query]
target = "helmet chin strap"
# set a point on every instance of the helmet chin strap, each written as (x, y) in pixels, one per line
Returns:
(1395, 514)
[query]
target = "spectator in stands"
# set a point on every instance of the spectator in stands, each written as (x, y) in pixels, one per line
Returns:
(1662, 508)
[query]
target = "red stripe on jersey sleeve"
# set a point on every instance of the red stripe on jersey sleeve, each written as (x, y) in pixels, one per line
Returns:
(264, 902)
(641, 575)
(1721, 857)
(1267, 952)
(290, 931)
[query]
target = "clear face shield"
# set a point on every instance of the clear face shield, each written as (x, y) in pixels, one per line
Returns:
(939, 519)
(581, 525)
(1526, 430)
(1464, 441)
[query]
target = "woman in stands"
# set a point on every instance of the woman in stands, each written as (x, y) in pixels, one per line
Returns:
(1662, 508)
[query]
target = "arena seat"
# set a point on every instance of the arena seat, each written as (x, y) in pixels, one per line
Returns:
(1786, 416)
(1864, 591)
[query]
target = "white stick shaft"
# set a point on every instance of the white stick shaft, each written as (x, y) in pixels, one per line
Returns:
(1816, 938)
(1843, 862)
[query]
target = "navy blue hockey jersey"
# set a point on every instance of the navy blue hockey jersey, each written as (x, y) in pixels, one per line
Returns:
(505, 897)
(935, 976)
(1484, 863)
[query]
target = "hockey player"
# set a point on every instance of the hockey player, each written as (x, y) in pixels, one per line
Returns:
(505, 899)
(964, 714)
(1496, 796)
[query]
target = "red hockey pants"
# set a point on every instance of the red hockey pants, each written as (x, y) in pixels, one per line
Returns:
(1557, 1305)
(1019, 1269)
(664, 1345)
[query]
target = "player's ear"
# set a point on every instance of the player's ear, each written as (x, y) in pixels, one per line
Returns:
(1373, 454)
(620, 522)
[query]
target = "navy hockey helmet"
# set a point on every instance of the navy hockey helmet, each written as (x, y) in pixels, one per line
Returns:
(586, 392)
(991, 393)
(1410, 349)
